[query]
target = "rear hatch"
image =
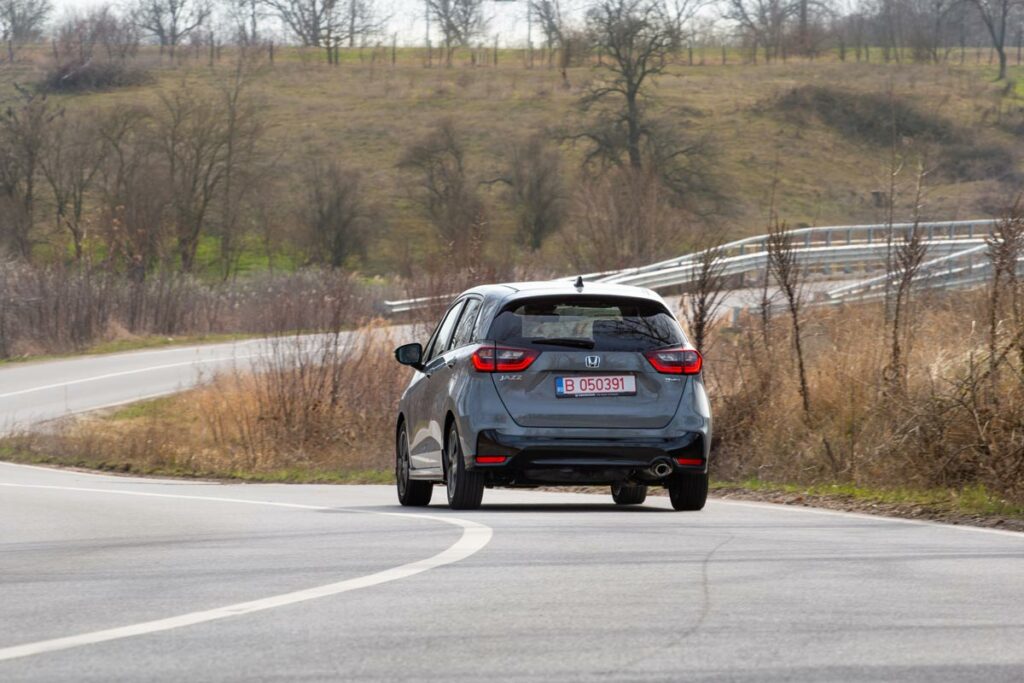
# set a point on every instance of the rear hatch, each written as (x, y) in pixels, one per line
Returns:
(591, 371)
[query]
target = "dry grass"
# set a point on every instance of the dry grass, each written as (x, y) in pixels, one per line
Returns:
(365, 113)
(953, 425)
(317, 409)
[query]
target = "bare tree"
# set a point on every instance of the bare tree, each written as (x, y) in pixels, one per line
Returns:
(459, 21)
(134, 194)
(636, 37)
(706, 296)
(360, 21)
(679, 15)
(335, 213)
(244, 172)
(74, 154)
(247, 16)
(1005, 251)
(22, 21)
(783, 262)
(536, 189)
(548, 13)
(445, 189)
(997, 15)
(622, 218)
(765, 20)
(201, 140)
(172, 22)
(24, 129)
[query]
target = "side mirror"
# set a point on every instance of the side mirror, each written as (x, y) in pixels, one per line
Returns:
(410, 354)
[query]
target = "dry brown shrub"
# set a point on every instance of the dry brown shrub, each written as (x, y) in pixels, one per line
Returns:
(945, 430)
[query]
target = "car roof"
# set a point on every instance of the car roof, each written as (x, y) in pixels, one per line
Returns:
(510, 291)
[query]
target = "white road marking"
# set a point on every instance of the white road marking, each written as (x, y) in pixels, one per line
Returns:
(124, 373)
(474, 537)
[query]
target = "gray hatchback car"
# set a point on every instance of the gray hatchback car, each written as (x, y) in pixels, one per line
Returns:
(554, 383)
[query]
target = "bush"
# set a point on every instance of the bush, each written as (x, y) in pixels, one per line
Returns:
(94, 75)
(865, 116)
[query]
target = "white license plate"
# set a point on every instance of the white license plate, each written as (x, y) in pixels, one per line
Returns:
(595, 385)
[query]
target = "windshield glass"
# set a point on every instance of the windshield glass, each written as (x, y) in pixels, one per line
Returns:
(598, 323)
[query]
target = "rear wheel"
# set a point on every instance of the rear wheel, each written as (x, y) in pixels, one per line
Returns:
(410, 492)
(465, 487)
(629, 494)
(688, 491)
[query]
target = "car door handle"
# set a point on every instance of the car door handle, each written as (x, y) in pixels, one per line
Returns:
(451, 363)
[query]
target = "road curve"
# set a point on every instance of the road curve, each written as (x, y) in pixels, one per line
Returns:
(548, 586)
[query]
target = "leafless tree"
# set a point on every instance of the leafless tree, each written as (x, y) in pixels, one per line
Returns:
(636, 37)
(247, 16)
(784, 265)
(172, 22)
(22, 21)
(548, 14)
(134, 193)
(998, 16)
(536, 189)
(459, 21)
(24, 128)
(765, 20)
(706, 296)
(335, 213)
(679, 15)
(1005, 251)
(329, 23)
(75, 152)
(445, 190)
(202, 140)
(621, 218)
(908, 256)
(244, 170)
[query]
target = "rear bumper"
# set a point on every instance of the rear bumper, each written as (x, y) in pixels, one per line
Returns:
(532, 460)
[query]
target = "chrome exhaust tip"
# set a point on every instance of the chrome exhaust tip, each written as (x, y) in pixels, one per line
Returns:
(661, 469)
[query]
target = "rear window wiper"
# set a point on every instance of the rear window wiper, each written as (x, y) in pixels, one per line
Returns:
(558, 341)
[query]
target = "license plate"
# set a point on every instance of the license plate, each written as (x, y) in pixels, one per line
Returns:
(595, 385)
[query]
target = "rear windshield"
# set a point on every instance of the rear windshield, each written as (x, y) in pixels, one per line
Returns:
(601, 324)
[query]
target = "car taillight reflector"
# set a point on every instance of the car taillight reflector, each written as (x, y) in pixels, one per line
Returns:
(503, 359)
(490, 459)
(677, 361)
(690, 461)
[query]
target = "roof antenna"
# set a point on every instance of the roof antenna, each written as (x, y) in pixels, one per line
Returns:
(579, 283)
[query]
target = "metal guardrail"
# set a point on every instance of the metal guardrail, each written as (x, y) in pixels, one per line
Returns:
(833, 250)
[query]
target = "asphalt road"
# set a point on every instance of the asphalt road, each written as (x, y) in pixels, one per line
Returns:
(108, 578)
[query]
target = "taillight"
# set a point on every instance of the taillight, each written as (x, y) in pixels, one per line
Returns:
(503, 359)
(678, 361)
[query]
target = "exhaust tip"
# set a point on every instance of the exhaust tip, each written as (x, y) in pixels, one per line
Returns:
(661, 469)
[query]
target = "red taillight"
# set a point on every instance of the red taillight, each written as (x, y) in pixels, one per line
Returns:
(690, 461)
(677, 361)
(490, 459)
(503, 359)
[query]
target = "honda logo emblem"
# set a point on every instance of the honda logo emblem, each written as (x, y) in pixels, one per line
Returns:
(593, 361)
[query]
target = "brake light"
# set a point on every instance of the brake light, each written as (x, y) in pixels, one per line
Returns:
(490, 459)
(503, 359)
(677, 361)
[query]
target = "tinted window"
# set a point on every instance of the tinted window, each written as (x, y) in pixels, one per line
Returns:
(439, 342)
(603, 324)
(467, 323)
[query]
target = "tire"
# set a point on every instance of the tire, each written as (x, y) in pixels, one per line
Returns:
(410, 492)
(465, 487)
(629, 494)
(688, 491)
